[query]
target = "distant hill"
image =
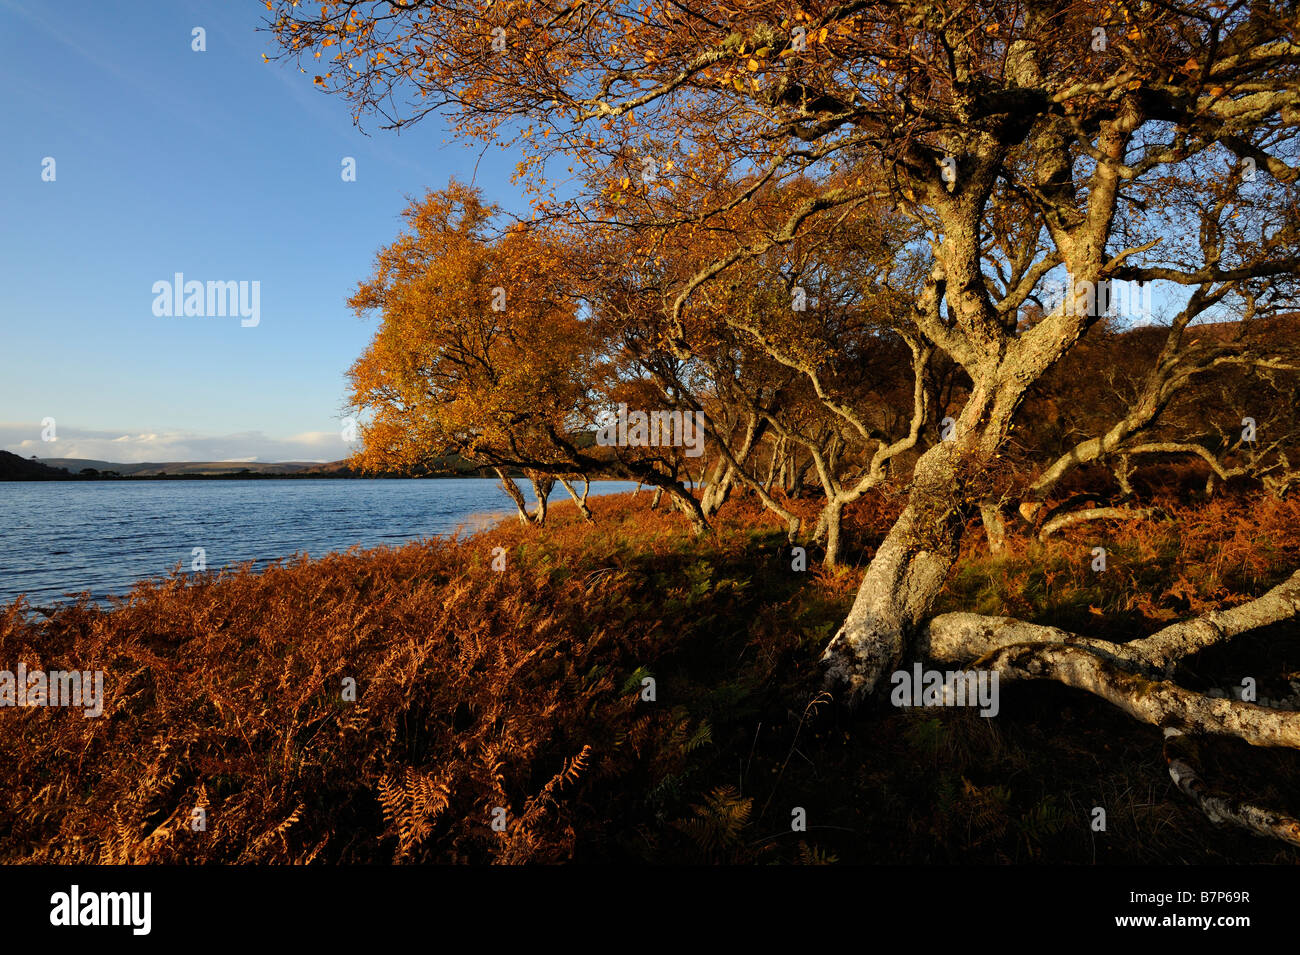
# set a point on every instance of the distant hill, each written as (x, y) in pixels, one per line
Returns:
(14, 468)
(152, 469)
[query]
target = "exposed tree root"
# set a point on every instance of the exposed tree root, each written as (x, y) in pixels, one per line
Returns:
(962, 637)
(1135, 677)
(1157, 702)
(965, 636)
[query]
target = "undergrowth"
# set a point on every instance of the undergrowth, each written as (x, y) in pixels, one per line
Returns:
(522, 698)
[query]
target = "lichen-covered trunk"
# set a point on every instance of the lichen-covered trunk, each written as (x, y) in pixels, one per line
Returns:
(908, 570)
(1003, 362)
(902, 581)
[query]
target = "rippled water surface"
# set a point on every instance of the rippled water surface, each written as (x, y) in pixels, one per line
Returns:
(60, 538)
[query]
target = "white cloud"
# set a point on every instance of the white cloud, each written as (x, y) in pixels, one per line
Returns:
(133, 448)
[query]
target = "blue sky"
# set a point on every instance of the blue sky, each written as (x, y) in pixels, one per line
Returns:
(213, 164)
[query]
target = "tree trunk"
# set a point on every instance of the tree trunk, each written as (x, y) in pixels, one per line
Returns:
(778, 457)
(903, 579)
(516, 495)
(729, 468)
(797, 475)
(1124, 475)
(581, 502)
(833, 514)
(995, 529)
(685, 502)
(543, 484)
(718, 489)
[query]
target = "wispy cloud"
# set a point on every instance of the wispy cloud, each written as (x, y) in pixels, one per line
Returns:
(135, 447)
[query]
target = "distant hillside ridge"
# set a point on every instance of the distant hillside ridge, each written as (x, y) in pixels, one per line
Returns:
(152, 468)
(14, 468)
